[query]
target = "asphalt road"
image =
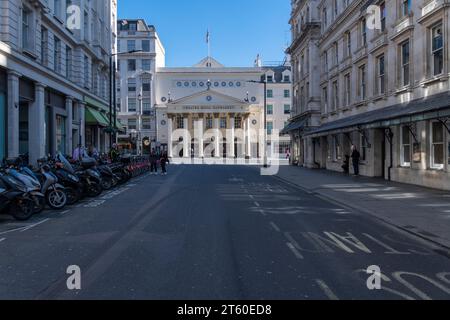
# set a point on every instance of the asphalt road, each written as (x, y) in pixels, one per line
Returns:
(215, 232)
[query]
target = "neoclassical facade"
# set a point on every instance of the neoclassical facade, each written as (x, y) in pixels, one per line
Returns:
(210, 110)
(384, 89)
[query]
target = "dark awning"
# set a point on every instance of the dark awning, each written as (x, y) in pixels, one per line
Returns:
(294, 125)
(432, 107)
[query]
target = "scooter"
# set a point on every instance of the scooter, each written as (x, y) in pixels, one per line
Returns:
(55, 193)
(16, 198)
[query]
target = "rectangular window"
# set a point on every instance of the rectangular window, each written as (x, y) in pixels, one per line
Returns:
(146, 45)
(363, 27)
(44, 46)
(405, 154)
(238, 123)
(347, 84)
(437, 50)
(287, 93)
(209, 123)
(131, 45)
(335, 95)
(269, 109)
(405, 81)
(269, 78)
(132, 85)
(146, 87)
(68, 63)
(86, 72)
(287, 109)
(146, 64)
(131, 104)
(287, 79)
(270, 93)
(26, 29)
(146, 105)
(146, 124)
(383, 16)
(362, 82)
(381, 75)
(437, 145)
(325, 99)
(131, 65)
(348, 43)
(61, 134)
(132, 124)
(405, 7)
(269, 127)
(223, 123)
(57, 9)
(363, 143)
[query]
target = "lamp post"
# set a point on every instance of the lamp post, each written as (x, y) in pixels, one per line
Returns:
(265, 118)
(112, 93)
(139, 125)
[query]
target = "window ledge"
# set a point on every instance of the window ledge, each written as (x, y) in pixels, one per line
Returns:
(432, 80)
(380, 97)
(404, 90)
(30, 53)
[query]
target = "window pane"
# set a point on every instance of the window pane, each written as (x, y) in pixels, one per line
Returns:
(438, 132)
(438, 154)
(407, 154)
(405, 135)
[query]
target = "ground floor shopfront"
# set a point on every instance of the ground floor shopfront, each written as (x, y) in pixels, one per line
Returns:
(40, 117)
(408, 143)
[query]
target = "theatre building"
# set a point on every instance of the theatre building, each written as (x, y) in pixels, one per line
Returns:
(210, 110)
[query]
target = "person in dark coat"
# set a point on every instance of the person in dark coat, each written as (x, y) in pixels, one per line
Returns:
(153, 162)
(356, 156)
(164, 161)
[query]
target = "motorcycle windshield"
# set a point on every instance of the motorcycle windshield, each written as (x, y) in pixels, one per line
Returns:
(27, 180)
(67, 166)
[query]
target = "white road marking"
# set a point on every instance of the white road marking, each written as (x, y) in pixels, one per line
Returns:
(326, 289)
(34, 225)
(64, 212)
(257, 204)
(296, 253)
(12, 230)
(2, 239)
(275, 226)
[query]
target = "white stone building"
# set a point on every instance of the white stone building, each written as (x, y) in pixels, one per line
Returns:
(217, 104)
(136, 83)
(54, 75)
(279, 95)
(385, 90)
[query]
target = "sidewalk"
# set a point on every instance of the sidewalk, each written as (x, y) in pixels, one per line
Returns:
(422, 211)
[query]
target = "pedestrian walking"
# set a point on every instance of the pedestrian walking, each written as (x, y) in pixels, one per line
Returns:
(164, 161)
(355, 160)
(153, 163)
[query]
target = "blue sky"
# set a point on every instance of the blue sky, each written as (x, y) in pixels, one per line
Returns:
(240, 29)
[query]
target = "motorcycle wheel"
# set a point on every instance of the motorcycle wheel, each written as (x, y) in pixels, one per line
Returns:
(22, 209)
(39, 204)
(72, 196)
(94, 190)
(107, 183)
(56, 199)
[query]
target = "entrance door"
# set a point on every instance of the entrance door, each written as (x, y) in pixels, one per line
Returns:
(2, 126)
(23, 128)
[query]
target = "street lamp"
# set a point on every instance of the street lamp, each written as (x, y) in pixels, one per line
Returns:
(112, 94)
(139, 142)
(265, 117)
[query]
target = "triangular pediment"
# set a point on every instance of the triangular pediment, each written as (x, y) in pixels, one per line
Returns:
(209, 97)
(209, 62)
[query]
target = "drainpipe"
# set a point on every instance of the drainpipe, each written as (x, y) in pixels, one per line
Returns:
(390, 136)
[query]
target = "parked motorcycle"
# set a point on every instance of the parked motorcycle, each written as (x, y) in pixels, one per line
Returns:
(16, 198)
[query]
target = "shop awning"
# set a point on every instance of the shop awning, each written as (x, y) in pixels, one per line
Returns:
(119, 126)
(294, 125)
(432, 107)
(95, 118)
